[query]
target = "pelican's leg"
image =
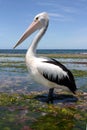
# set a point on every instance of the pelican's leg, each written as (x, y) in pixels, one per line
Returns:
(50, 95)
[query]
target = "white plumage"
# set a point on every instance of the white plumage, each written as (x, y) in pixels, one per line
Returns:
(38, 66)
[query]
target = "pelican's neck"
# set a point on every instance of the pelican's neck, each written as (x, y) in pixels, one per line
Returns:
(32, 49)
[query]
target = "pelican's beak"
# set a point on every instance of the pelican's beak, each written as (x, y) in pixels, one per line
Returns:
(32, 28)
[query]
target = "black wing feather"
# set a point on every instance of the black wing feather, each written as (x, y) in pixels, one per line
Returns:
(67, 81)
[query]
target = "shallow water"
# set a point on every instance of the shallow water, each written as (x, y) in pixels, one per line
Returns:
(22, 83)
(18, 82)
(14, 76)
(72, 60)
(77, 64)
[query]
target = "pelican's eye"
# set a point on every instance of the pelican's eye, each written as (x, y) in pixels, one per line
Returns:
(36, 18)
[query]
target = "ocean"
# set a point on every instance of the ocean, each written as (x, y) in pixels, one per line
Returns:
(45, 51)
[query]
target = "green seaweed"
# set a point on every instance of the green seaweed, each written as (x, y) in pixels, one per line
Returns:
(79, 73)
(48, 55)
(20, 111)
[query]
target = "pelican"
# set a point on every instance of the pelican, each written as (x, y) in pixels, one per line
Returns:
(45, 71)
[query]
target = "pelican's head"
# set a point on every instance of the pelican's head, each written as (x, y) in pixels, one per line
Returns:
(40, 21)
(42, 18)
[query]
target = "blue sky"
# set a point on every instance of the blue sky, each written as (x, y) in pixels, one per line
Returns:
(67, 28)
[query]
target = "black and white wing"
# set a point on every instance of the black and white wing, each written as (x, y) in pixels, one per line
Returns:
(57, 73)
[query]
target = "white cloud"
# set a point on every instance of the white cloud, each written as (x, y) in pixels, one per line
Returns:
(57, 15)
(61, 17)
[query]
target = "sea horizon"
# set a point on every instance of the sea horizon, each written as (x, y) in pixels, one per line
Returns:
(45, 51)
